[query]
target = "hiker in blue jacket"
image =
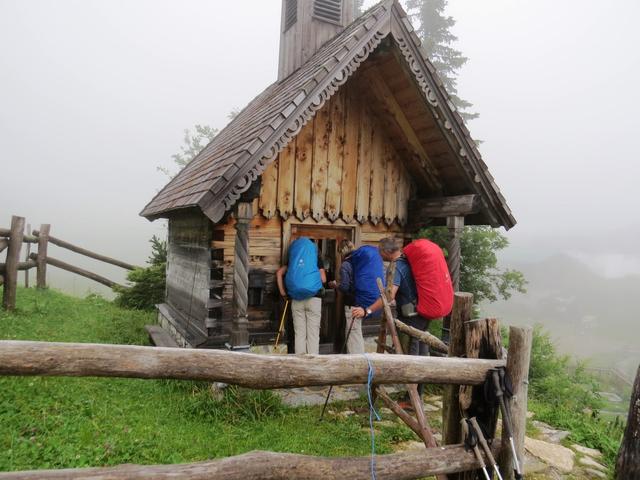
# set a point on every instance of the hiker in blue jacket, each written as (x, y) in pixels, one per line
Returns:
(354, 340)
(301, 281)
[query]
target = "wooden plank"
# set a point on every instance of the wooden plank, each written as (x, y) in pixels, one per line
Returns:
(286, 179)
(390, 185)
(404, 193)
(335, 156)
(395, 112)
(27, 253)
(351, 149)
(422, 209)
(160, 337)
(304, 165)
(4, 243)
(425, 337)
(378, 174)
(13, 259)
(243, 369)
(364, 164)
(20, 266)
(482, 340)
(78, 271)
(88, 253)
(461, 313)
(518, 359)
(269, 193)
(41, 260)
(278, 466)
(319, 173)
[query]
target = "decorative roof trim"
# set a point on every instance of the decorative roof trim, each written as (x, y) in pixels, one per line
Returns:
(449, 120)
(301, 111)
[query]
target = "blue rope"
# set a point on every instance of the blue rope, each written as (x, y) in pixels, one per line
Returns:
(372, 414)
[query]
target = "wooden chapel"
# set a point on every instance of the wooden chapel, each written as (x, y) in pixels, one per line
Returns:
(356, 139)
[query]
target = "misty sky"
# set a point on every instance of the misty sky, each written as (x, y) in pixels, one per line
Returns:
(94, 95)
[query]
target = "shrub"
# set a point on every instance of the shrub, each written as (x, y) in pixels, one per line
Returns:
(147, 285)
(565, 397)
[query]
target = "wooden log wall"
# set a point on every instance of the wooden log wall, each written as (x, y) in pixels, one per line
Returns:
(189, 267)
(265, 246)
(341, 165)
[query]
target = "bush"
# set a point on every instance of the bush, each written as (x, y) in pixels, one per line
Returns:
(147, 284)
(566, 397)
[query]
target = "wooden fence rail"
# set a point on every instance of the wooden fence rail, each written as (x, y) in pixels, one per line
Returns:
(11, 239)
(77, 270)
(280, 466)
(244, 369)
(85, 252)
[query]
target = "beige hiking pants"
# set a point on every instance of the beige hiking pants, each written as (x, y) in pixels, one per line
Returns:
(355, 340)
(306, 324)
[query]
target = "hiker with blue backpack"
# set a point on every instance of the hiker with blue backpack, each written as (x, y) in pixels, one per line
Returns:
(366, 266)
(302, 281)
(353, 339)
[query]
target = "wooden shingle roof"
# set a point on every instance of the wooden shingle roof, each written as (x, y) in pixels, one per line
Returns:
(214, 180)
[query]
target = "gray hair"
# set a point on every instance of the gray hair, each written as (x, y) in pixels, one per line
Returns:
(389, 245)
(345, 247)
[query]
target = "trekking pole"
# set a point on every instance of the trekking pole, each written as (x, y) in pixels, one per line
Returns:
(344, 346)
(281, 328)
(471, 442)
(498, 381)
(485, 446)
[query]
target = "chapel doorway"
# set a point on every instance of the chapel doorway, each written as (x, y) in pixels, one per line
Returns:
(327, 238)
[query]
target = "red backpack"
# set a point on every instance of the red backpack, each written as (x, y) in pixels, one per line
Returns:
(431, 274)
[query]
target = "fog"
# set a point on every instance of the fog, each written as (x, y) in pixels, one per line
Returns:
(94, 95)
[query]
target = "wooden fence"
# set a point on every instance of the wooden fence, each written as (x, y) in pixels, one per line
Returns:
(463, 378)
(13, 238)
(275, 371)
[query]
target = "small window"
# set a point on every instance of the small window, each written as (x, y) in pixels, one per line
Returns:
(257, 284)
(290, 14)
(328, 10)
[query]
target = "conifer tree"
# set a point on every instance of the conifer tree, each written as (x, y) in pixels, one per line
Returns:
(434, 29)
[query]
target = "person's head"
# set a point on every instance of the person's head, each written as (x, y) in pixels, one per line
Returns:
(345, 247)
(390, 248)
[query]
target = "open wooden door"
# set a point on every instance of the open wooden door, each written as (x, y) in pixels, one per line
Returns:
(327, 238)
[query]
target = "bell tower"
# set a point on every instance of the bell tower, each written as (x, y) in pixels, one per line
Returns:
(306, 25)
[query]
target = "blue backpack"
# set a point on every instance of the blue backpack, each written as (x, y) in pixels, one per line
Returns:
(303, 276)
(367, 268)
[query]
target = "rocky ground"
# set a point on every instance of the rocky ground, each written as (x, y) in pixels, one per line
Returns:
(548, 454)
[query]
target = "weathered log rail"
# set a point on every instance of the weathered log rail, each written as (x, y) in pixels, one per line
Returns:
(244, 369)
(279, 466)
(11, 239)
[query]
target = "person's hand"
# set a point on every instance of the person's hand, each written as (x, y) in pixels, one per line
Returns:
(284, 295)
(333, 284)
(358, 312)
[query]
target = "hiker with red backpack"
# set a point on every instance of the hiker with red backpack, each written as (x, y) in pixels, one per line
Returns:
(302, 281)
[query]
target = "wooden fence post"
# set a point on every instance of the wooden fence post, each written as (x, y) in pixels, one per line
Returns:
(26, 258)
(483, 340)
(628, 464)
(518, 359)
(11, 266)
(43, 243)
(461, 313)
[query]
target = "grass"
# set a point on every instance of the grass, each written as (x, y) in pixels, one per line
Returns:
(566, 398)
(49, 422)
